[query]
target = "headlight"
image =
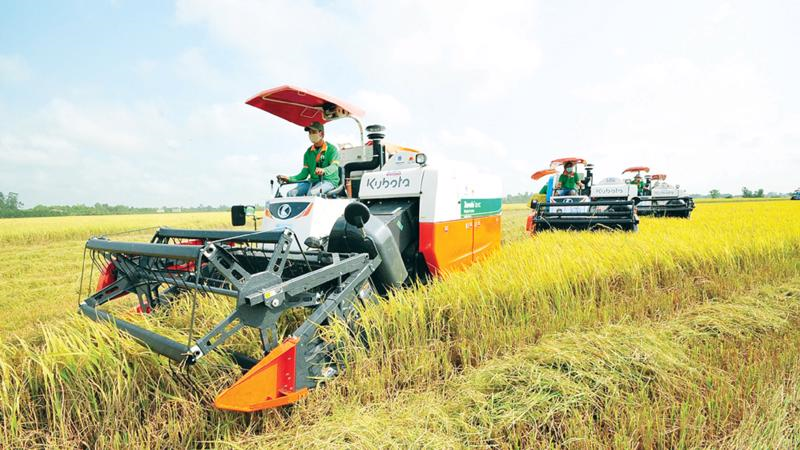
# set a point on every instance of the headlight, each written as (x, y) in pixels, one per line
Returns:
(421, 159)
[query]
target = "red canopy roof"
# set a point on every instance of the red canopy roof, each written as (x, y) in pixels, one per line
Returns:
(636, 169)
(572, 159)
(302, 106)
(555, 163)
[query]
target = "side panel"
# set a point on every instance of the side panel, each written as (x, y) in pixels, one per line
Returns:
(486, 236)
(446, 245)
(306, 216)
(444, 189)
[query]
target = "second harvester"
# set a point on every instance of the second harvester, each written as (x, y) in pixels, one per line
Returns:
(604, 205)
(657, 197)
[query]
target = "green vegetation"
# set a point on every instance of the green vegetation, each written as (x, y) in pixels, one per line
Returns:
(11, 206)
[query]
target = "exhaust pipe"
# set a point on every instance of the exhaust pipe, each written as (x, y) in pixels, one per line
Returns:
(376, 135)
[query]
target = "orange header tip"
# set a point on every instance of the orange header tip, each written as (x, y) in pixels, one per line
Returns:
(542, 173)
(269, 384)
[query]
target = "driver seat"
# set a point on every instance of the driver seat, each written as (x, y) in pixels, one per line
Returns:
(338, 190)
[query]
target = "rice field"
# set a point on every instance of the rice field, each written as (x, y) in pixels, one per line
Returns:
(682, 335)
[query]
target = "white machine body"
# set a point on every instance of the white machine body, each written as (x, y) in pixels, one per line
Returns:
(452, 203)
(664, 189)
(307, 216)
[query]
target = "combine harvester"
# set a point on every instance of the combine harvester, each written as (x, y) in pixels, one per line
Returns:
(659, 198)
(393, 220)
(608, 204)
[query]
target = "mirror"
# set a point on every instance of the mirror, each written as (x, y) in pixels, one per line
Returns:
(238, 215)
(331, 111)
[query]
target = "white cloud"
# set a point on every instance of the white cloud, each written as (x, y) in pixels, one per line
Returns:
(193, 66)
(42, 151)
(134, 154)
(479, 50)
(455, 44)
(280, 37)
(423, 69)
(472, 143)
(115, 128)
(13, 69)
(709, 125)
(145, 67)
(503, 87)
(383, 108)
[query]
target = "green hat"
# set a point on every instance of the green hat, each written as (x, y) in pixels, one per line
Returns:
(315, 126)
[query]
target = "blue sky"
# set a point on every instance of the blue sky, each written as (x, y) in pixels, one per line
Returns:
(143, 102)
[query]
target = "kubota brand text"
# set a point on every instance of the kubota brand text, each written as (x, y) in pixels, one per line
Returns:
(385, 183)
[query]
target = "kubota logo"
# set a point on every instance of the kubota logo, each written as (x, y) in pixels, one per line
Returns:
(385, 183)
(284, 211)
(605, 190)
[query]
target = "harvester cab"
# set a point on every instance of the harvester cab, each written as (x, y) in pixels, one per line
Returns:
(591, 205)
(662, 199)
(796, 194)
(311, 217)
(639, 178)
(315, 260)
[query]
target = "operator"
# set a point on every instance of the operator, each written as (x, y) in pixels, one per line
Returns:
(637, 180)
(568, 180)
(320, 172)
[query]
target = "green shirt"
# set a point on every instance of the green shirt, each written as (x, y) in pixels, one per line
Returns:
(568, 181)
(543, 190)
(326, 158)
(639, 185)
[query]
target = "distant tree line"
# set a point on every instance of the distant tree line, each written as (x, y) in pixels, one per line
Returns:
(11, 206)
(714, 193)
(746, 193)
(523, 197)
(10, 202)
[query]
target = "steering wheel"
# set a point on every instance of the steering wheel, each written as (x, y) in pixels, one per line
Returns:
(281, 182)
